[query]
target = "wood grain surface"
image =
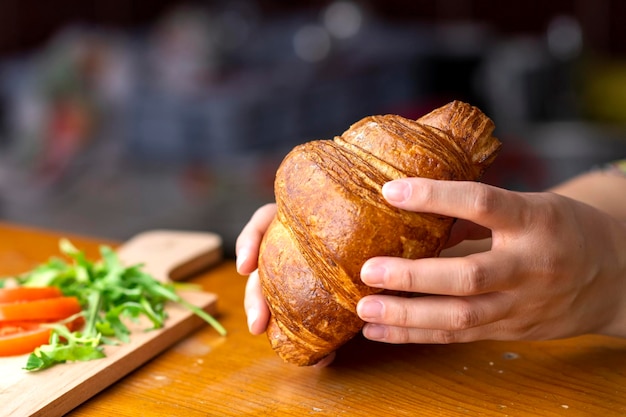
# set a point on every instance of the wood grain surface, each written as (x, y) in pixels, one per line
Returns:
(55, 391)
(239, 375)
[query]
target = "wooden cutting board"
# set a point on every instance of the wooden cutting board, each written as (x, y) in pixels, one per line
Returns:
(55, 391)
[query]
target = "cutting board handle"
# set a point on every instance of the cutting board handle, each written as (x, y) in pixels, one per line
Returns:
(171, 254)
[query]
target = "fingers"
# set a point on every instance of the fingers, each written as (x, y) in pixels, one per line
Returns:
(402, 335)
(256, 308)
(247, 250)
(249, 240)
(466, 230)
(469, 301)
(432, 319)
(325, 361)
(473, 297)
(482, 204)
(470, 275)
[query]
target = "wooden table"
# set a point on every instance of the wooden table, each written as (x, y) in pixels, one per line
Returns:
(206, 374)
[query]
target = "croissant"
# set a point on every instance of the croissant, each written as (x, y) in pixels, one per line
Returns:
(331, 217)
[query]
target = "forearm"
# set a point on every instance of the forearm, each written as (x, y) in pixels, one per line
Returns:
(616, 284)
(603, 189)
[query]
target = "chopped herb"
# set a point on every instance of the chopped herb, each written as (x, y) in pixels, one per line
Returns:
(109, 293)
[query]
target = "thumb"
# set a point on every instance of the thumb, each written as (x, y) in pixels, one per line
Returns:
(466, 230)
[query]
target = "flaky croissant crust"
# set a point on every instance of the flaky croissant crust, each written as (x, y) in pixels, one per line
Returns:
(332, 217)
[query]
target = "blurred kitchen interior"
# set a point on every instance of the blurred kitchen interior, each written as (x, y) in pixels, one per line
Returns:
(121, 116)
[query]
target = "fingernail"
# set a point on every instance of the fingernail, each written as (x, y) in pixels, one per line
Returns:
(370, 310)
(325, 361)
(373, 274)
(375, 332)
(253, 315)
(242, 256)
(396, 191)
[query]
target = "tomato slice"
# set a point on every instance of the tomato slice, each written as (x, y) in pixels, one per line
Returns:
(8, 328)
(11, 327)
(24, 313)
(19, 294)
(18, 338)
(50, 309)
(23, 342)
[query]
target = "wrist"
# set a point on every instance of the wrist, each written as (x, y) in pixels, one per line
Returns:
(617, 326)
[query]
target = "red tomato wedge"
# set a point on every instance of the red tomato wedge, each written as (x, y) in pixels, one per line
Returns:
(18, 294)
(18, 338)
(25, 313)
(23, 342)
(8, 328)
(49, 309)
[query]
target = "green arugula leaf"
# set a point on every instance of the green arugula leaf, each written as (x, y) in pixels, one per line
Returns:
(110, 294)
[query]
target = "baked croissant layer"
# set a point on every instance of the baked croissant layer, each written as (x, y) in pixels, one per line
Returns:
(331, 217)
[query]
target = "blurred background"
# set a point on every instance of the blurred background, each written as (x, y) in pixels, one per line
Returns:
(119, 116)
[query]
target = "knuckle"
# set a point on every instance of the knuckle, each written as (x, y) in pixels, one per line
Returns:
(463, 317)
(403, 317)
(473, 277)
(426, 196)
(407, 280)
(398, 313)
(444, 337)
(399, 335)
(484, 200)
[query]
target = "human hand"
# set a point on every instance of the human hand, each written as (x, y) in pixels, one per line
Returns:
(556, 268)
(247, 253)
